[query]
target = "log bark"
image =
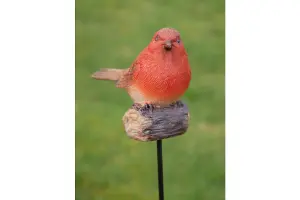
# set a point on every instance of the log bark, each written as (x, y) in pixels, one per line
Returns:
(151, 122)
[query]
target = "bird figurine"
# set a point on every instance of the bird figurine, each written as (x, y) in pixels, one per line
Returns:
(159, 75)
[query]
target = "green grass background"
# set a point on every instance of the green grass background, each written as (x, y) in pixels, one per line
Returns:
(109, 165)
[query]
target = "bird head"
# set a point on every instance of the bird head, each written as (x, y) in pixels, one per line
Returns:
(166, 39)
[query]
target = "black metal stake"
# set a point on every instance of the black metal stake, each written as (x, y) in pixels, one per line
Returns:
(160, 170)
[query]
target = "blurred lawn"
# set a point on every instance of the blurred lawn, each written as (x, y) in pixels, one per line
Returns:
(109, 166)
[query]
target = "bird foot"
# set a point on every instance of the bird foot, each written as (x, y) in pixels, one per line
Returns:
(137, 106)
(143, 107)
(148, 105)
(178, 104)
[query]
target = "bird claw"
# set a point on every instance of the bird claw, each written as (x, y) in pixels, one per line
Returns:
(143, 108)
(147, 107)
(137, 106)
(178, 104)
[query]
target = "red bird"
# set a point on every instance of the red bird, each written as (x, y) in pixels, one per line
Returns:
(160, 74)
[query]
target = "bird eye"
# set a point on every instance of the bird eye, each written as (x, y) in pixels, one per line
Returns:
(178, 41)
(157, 37)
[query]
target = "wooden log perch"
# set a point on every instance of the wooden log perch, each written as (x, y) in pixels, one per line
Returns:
(151, 122)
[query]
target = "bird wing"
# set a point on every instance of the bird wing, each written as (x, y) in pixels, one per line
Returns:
(125, 79)
(132, 72)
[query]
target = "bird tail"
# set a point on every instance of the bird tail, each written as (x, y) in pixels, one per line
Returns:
(108, 74)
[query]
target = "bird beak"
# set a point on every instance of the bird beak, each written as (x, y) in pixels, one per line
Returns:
(168, 45)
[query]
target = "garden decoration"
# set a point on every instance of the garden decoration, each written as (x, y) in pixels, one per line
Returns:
(155, 81)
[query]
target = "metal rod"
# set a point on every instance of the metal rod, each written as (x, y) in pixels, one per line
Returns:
(160, 170)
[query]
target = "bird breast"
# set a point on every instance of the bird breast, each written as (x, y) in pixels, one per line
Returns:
(163, 82)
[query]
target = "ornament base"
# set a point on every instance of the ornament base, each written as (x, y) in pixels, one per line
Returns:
(151, 122)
